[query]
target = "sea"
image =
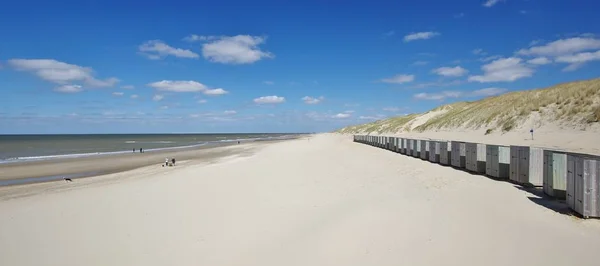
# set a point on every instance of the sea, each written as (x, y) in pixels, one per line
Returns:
(20, 148)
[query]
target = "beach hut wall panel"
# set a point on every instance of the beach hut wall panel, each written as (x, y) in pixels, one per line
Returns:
(514, 175)
(424, 150)
(583, 185)
(471, 156)
(535, 173)
(457, 154)
(555, 174)
(434, 151)
(411, 147)
(475, 157)
(492, 163)
(417, 150)
(398, 143)
(403, 146)
(444, 152)
(497, 161)
(527, 165)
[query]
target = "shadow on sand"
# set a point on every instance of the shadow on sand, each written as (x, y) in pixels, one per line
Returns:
(559, 206)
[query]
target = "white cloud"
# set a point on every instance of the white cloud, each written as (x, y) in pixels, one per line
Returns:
(239, 49)
(164, 107)
(60, 72)
(479, 52)
(563, 47)
(185, 86)
(269, 100)
(230, 112)
(158, 97)
(268, 82)
(490, 58)
(342, 115)
(503, 70)
(128, 87)
(572, 67)
(311, 100)
(217, 91)
(539, 61)
(456, 71)
(420, 36)
(420, 63)
(399, 79)
(197, 38)
(201, 101)
(490, 3)
(157, 49)
(69, 88)
(579, 58)
(178, 86)
(438, 96)
(488, 92)
(118, 93)
(135, 96)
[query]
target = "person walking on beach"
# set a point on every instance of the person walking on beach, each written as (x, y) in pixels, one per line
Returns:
(133, 150)
(141, 151)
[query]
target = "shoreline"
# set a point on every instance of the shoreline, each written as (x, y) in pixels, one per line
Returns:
(51, 170)
(212, 143)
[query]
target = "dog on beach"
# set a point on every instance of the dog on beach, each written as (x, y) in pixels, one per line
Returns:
(68, 179)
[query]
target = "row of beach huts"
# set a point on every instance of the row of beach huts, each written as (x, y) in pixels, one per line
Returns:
(573, 177)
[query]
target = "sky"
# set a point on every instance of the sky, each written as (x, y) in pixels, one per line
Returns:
(274, 66)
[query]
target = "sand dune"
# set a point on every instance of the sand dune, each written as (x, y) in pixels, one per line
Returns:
(323, 201)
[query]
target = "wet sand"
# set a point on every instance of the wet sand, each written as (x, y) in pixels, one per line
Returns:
(52, 170)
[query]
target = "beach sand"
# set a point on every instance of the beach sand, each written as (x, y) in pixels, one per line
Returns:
(323, 201)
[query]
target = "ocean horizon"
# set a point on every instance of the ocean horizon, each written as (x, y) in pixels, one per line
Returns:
(33, 147)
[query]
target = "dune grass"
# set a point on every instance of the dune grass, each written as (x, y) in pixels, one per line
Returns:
(574, 103)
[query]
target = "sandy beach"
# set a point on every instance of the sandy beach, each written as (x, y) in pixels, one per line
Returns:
(318, 201)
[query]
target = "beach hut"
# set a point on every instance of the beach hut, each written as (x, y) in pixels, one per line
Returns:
(398, 145)
(417, 148)
(444, 153)
(424, 150)
(583, 184)
(434, 151)
(526, 165)
(497, 161)
(457, 154)
(408, 147)
(555, 174)
(475, 157)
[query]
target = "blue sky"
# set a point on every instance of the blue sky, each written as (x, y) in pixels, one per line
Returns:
(269, 66)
